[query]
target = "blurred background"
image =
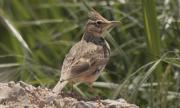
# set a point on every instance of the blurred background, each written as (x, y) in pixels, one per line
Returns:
(144, 67)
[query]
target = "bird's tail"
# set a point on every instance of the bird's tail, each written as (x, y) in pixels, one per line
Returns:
(59, 86)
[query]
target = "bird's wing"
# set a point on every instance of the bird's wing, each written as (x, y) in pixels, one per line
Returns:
(82, 58)
(82, 67)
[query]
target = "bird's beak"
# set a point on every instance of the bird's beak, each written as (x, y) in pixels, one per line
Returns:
(111, 24)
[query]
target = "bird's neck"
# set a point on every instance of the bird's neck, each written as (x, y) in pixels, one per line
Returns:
(89, 37)
(98, 40)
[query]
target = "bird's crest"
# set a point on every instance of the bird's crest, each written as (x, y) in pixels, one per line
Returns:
(94, 15)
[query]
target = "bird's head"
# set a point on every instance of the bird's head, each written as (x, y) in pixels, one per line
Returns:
(97, 24)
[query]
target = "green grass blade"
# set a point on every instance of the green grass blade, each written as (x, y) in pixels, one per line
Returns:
(152, 31)
(15, 33)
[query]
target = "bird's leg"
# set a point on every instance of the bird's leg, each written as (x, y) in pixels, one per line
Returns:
(91, 89)
(71, 89)
(79, 90)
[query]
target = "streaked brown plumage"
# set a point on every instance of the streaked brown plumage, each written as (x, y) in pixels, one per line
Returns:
(87, 58)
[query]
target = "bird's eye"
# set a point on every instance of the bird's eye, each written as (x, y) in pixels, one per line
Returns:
(99, 22)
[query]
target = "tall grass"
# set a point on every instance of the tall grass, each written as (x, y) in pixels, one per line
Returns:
(145, 56)
(153, 43)
(152, 32)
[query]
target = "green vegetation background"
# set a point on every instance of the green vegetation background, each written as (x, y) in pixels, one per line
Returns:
(35, 36)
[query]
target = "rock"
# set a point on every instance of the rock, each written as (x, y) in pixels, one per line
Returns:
(23, 95)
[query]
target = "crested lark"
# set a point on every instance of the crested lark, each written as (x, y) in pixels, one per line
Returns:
(87, 58)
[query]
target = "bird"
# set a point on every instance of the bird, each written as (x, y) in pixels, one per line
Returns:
(88, 57)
